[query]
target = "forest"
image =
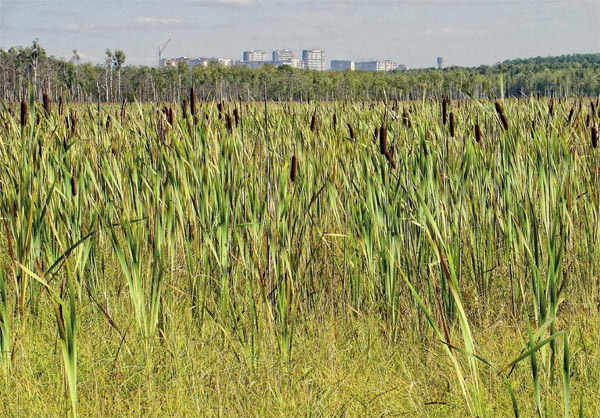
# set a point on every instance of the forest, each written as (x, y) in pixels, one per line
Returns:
(114, 81)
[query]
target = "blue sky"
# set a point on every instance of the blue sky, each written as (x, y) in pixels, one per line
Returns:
(413, 32)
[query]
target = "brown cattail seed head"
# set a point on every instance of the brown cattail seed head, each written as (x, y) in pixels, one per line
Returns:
(170, 115)
(571, 114)
(229, 123)
(444, 110)
(192, 101)
(184, 106)
(236, 116)
(383, 139)
(107, 122)
(73, 122)
(334, 121)
(73, 186)
(350, 131)
(46, 101)
(594, 137)
(220, 109)
(24, 113)
(477, 133)
(502, 115)
(293, 168)
(313, 122)
(452, 124)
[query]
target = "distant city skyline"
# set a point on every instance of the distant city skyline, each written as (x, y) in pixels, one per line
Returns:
(412, 32)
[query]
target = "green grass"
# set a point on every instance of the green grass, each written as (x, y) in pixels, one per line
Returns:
(182, 272)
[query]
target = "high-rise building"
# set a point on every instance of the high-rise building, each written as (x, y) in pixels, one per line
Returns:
(283, 55)
(385, 65)
(292, 62)
(254, 55)
(191, 62)
(341, 65)
(381, 65)
(440, 62)
(314, 59)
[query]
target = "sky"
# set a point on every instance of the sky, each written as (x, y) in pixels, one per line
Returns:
(411, 32)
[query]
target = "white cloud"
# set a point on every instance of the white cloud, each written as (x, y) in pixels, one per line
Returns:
(76, 27)
(152, 22)
(233, 3)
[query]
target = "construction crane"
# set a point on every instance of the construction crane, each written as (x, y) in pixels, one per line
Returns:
(160, 51)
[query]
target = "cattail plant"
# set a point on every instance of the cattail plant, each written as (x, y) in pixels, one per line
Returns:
(24, 113)
(334, 122)
(452, 124)
(229, 123)
(73, 119)
(184, 106)
(108, 122)
(293, 168)
(501, 115)
(350, 131)
(477, 133)
(73, 185)
(170, 116)
(313, 122)
(571, 114)
(193, 105)
(220, 110)
(594, 137)
(383, 139)
(60, 105)
(192, 101)
(46, 103)
(444, 110)
(236, 116)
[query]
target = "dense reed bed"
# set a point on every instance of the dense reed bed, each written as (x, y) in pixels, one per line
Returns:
(273, 259)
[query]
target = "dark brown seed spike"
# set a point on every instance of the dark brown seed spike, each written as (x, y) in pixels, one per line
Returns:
(24, 113)
(502, 115)
(184, 106)
(383, 139)
(236, 115)
(46, 102)
(444, 111)
(293, 168)
(229, 123)
(452, 124)
(192, 101)
(477, 133)
(73, 186)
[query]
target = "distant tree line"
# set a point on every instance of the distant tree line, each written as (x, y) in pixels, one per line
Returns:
(20, 67)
